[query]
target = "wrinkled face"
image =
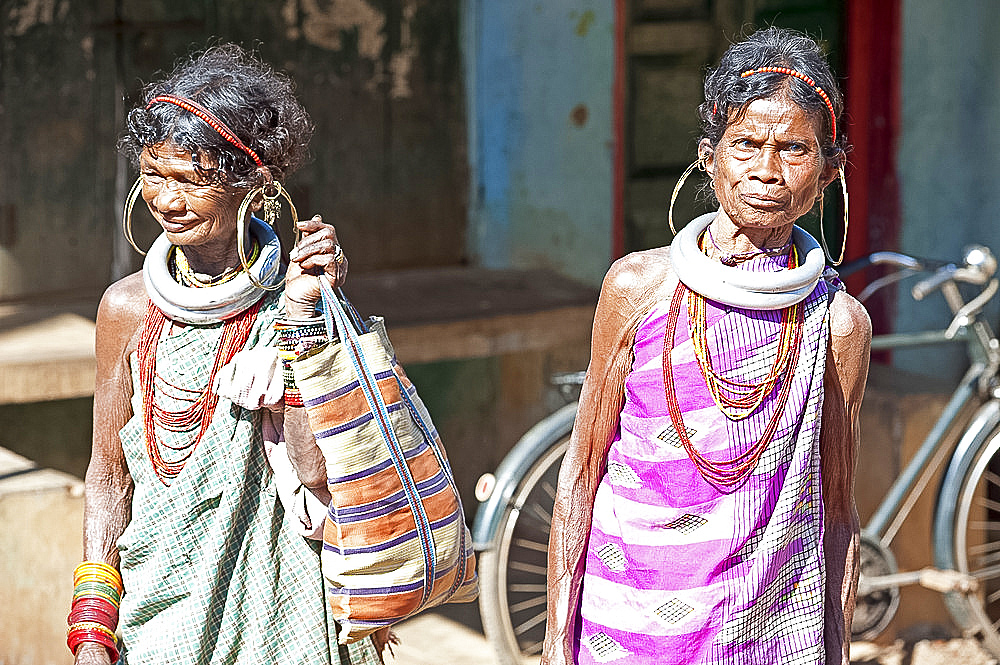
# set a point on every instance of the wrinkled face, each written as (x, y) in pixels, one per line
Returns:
(768, 169)
(191, 210)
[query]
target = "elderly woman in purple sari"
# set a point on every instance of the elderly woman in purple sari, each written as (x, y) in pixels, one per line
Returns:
(705, 509)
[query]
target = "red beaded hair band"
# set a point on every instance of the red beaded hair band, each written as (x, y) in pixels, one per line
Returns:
(787, 71)
(216, 124)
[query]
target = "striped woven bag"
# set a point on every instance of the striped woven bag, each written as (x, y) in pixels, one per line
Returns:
(395, 540)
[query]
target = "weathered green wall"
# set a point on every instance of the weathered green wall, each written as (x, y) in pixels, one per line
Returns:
(949, 151)
(382, 79)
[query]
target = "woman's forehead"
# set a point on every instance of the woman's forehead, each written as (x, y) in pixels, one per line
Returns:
(166, 153)
(778, 113)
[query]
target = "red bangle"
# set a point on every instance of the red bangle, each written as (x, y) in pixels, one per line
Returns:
(77, 637)
(95, 614)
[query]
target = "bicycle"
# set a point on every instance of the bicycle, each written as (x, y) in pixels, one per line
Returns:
(511, 527)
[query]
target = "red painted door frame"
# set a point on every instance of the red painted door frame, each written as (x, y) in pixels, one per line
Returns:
(873, 118)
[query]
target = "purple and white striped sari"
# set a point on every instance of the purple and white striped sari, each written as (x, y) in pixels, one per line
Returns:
(678, 571)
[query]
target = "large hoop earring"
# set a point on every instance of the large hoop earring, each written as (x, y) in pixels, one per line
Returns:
(697, 164)
(270, 192)
(133, 194)
(822, 233)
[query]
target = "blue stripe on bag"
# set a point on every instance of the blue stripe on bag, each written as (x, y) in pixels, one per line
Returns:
(381, 466)
(386, 505)
(406, 537)
(340, 392)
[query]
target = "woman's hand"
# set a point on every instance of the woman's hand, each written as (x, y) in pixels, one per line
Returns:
(317, 253)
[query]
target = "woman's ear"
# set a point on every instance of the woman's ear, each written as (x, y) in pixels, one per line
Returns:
(831, 168)
(706, 155)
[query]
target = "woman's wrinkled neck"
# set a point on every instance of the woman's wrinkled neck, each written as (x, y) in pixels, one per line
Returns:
(729, 239)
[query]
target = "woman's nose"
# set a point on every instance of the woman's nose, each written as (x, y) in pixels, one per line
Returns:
(766, 167)
(168, 198)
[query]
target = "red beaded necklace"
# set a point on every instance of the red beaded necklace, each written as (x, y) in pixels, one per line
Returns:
(735, 399)
(235, 333)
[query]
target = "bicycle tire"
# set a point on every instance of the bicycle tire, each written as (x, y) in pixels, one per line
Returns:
(974, 545)
(513, 573)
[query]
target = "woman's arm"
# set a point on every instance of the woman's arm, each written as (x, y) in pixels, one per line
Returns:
(626, 293)
(108, 502)
(844, 385)
(316, 254)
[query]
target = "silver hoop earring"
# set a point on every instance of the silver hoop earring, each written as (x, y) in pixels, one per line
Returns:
(127, 214)
(697, 164)
(822, 233)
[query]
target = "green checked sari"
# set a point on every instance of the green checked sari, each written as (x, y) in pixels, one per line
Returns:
(214, 572)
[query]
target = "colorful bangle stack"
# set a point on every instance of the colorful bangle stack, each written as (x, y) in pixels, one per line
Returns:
(296, 338)
(97, 593)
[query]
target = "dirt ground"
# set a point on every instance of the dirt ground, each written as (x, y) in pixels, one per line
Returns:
(924, 652)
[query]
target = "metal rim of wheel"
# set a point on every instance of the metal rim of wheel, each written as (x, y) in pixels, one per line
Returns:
(874, 611)
(981, 559)
(513, 574)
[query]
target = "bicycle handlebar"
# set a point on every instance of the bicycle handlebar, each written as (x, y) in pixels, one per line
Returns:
(979, 266)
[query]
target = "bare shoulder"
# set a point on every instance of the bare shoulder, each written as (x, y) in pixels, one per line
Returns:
(120, 314)
(637, 271)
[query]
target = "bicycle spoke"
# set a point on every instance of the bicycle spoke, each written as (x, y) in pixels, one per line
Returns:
(531, 545)
(528, 568)
(986, 573)
(524, 627)
(985, 547)
(985, 526)
(992, 477)
(527, 604)
(549, 489)
(989, 504)
(993, 597)
(541, 514)
(533, 648)
(985, 560)
(527, 588)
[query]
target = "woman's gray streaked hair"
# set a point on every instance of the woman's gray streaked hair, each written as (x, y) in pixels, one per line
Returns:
(727, 93)
(256, 102)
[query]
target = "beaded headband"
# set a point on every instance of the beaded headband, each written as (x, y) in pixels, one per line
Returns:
(216, 124)
(787, 71)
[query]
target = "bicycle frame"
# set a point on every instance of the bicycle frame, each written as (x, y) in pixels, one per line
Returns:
(935, 449)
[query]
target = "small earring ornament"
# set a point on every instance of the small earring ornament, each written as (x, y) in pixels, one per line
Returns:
(270, 191)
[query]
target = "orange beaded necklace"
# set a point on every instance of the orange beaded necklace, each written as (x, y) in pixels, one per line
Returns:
(736, 399)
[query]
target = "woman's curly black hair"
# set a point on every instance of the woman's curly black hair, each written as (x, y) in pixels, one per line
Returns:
(727, 93)
(256, 102)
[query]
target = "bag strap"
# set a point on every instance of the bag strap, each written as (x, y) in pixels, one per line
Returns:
(337, 320)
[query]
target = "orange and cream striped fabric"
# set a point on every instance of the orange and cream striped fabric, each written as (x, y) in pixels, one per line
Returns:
(395, 540)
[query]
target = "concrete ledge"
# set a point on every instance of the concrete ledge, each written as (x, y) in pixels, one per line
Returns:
(432, 314)
(41, 511)
(51, 356)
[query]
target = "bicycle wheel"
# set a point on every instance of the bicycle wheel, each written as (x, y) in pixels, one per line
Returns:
(512, 574)
(976, 546)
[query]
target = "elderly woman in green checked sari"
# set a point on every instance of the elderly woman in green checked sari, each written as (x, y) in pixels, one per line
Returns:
(205, 484)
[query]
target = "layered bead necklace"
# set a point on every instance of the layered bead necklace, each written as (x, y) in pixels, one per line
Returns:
(202, 402)
(737, 400)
